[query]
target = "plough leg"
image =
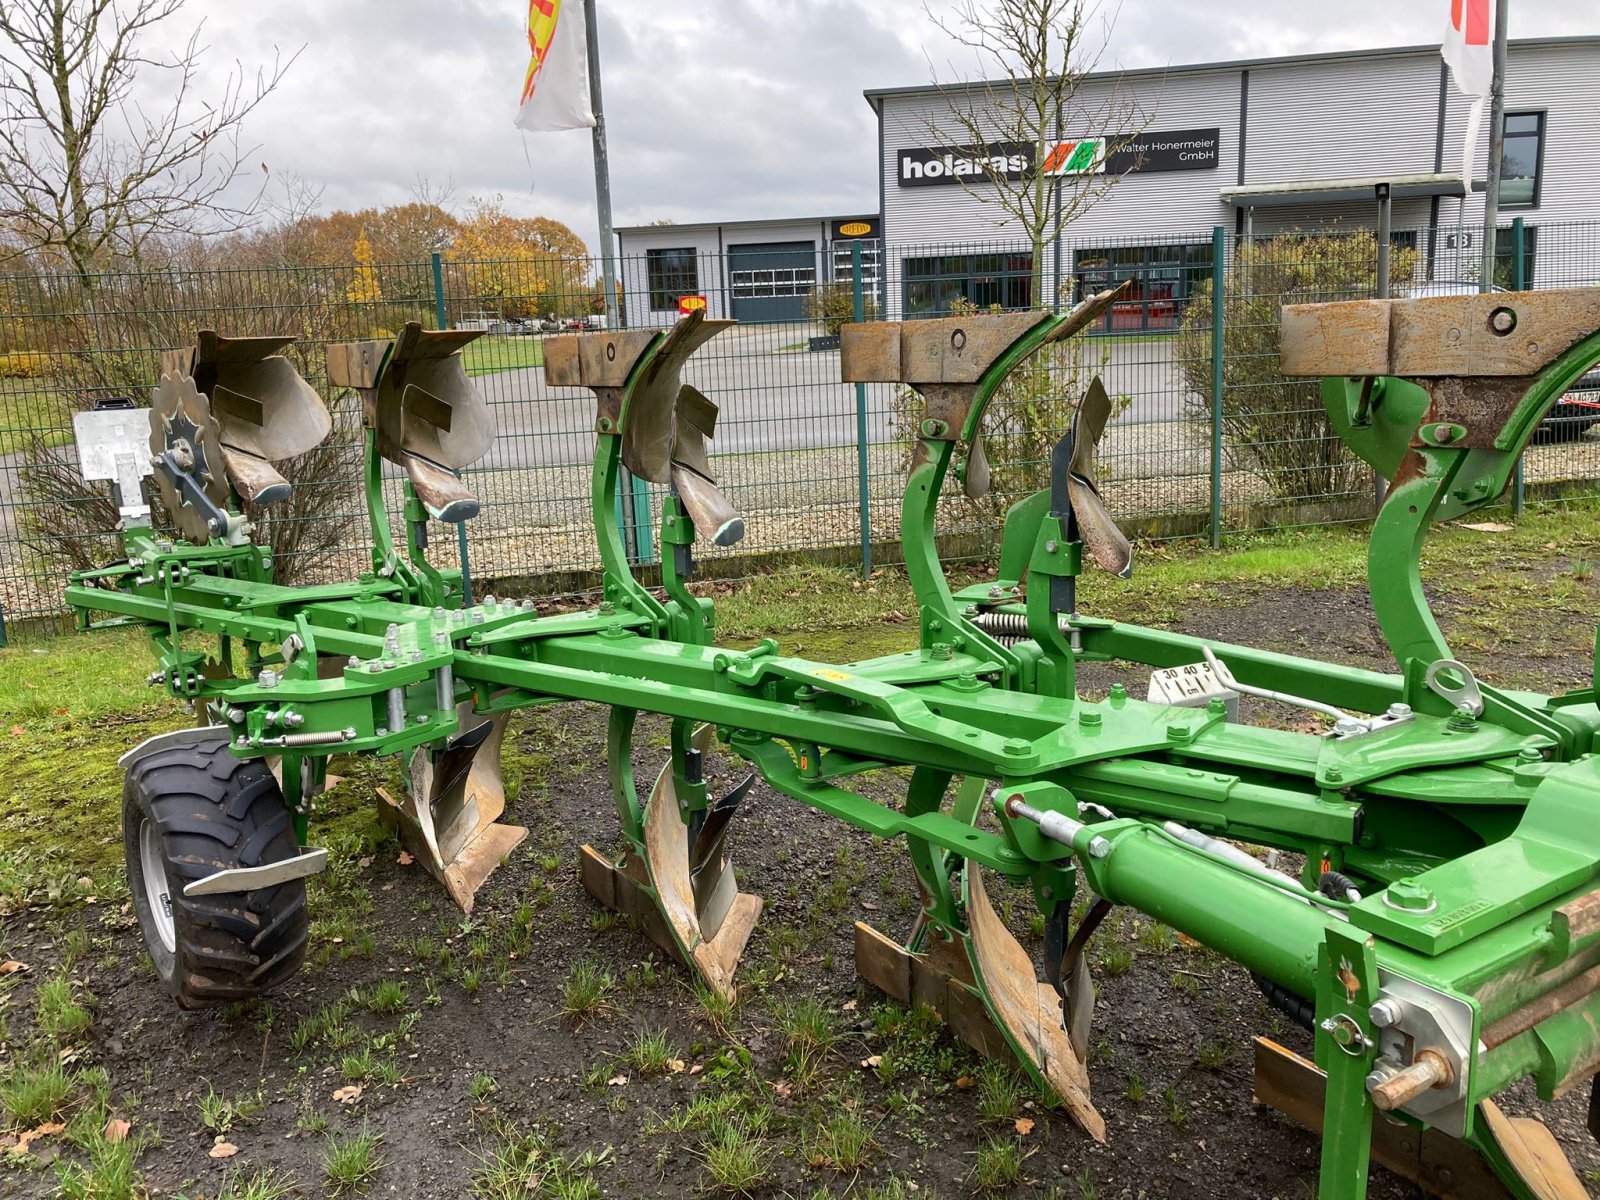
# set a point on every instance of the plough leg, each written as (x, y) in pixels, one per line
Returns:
(965, 964)
(674, 878)
(449, 817)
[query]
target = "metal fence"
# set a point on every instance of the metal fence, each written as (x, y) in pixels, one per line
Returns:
(815, 464)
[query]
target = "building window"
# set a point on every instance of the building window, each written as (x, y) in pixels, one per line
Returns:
(672, 275)
(1505, 256)
(934, 283)
(1161, 277)
(773, 281)
(844, 268)
(1522, 161)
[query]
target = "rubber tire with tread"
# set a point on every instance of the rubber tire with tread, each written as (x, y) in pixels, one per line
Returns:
(215, 812)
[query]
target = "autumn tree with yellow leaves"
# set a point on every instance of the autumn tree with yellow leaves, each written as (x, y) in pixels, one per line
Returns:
(522, 266)
(364, 288)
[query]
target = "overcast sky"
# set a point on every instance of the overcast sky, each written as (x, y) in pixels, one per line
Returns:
(717, 109)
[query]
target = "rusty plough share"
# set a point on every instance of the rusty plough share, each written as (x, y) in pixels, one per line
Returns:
(1442, 942)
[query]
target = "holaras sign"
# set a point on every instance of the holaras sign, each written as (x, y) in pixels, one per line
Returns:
(1179, 150)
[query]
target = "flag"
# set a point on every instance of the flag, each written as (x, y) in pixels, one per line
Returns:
(1467, 46)
(1469, 53)
(555, 94)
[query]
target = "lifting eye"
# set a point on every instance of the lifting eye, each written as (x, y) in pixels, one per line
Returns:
(1502, 321)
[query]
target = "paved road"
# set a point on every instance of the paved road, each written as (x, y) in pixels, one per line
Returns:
(776, 398)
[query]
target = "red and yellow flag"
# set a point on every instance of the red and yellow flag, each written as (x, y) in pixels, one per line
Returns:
(555, 93)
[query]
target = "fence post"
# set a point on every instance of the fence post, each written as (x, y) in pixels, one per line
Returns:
(1519, 283)
(1219, 281)
(442, 321)
(863, 476)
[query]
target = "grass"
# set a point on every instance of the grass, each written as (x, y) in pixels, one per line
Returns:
(1000, 1092)
(524, 1164)
(57, 1011)
(583, 996)
(31, 1095)
(219, 1114)
(737, 1160)
(652, 1054)
(488, 355)
(843, 1143)
(351, 1163)
(999, 1164)
(258, 1185)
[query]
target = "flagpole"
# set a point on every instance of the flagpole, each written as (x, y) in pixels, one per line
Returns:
(602, 166)
(1497, 136)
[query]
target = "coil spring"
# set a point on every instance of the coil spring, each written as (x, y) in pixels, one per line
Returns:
(1010, 628)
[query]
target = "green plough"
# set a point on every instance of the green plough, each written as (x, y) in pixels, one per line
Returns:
(1442, 940)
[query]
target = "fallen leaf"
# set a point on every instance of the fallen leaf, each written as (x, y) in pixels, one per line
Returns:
(11, 966)
(848, 1006)
(675, 1065)
(1488, 527)
(364, 861)
(782, 1088)
(17, 731)
(872, 1061)
(1024, 1125)
(348, 1094)
(616, 1081)
(405, 859)
(963, 1082)
(48, 1129)
(116, 1130)
(697, 1068)
(223, 1150)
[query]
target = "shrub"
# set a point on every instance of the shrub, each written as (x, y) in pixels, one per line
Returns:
(834, 305)
(1025, 419)
(24, 364)
(1277, 425)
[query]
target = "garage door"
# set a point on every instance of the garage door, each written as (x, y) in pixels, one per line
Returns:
(772, 281)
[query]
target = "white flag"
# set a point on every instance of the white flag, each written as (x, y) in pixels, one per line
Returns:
(1467, 46)
(555, 94)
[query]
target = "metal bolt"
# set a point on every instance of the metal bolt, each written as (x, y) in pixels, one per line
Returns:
(1397, 711)
(1348, 726)
(381, 731)
(294, 719)
(1333, 774)
(1385, 1012)
(422, 718)
(1052, 546)
(1089, 718)
(374, 666)
(1015, 747)
(267, 679)
(235, 715)
(354, 661)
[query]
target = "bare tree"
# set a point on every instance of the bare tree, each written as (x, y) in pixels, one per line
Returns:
(89, 174)
(1029, 98)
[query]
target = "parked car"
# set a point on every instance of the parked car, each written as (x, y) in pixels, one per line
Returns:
(1569, 417)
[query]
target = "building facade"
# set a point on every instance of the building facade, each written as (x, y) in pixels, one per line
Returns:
(1259, 147)
(752, 271)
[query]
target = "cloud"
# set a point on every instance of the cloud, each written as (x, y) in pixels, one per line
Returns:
(720, 109)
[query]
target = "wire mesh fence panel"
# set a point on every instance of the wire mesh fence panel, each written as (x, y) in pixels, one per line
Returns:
(807, 458)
